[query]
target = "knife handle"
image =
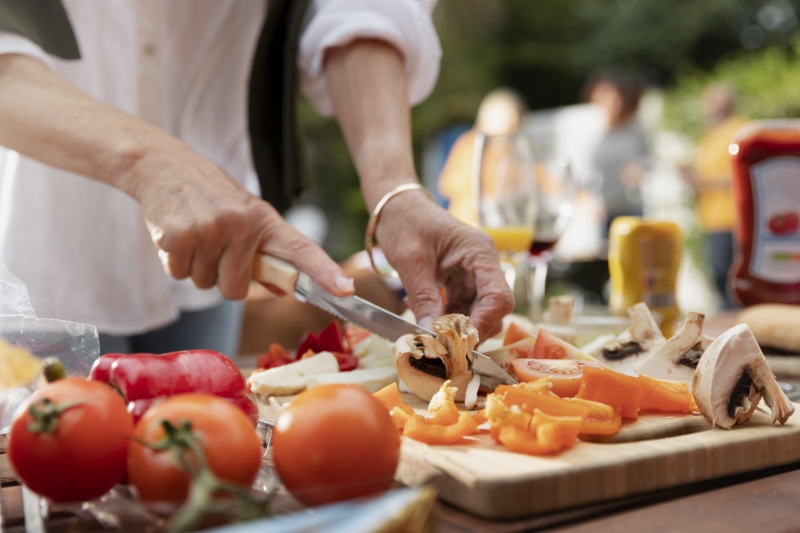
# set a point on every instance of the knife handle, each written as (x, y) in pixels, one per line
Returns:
(274, 272)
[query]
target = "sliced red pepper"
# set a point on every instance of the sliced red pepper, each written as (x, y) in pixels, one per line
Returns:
(346, 361)
(308, 342)
(666, 396)
(418, 428)
(611, 388)
(276, 356)
(330, 339)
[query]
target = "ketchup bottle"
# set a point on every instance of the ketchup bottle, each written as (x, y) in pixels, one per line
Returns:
(766, 189)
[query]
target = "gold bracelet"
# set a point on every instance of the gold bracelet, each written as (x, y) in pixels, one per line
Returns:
(376, 213)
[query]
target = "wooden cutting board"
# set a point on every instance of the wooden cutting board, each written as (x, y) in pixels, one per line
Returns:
(488, 480)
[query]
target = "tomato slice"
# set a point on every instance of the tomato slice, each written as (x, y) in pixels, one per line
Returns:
(564, 374)
(515, 334)
(548, 346)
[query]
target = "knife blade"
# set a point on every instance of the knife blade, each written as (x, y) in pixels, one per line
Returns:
(284, 276)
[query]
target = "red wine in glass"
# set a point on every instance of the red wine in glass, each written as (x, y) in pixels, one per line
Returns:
(540, 246)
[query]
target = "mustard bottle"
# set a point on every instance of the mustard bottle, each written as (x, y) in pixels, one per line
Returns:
(643, 260)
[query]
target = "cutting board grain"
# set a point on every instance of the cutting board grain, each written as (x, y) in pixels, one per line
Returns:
(488, 480)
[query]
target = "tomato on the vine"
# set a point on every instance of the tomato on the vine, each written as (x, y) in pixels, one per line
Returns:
(224, 433)
(335, 442)
(70, 442)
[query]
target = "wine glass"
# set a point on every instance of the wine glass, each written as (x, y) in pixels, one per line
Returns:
(555, 196)
(506, 196)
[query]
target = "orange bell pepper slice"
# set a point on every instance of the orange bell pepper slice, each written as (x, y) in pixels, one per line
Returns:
(479, 417)
(547, 403)
(511, 416)
(547, 434)
(400, 417)
(666, 396)
(602, 419)
(418, 428)
(612, 388)
(389, 396)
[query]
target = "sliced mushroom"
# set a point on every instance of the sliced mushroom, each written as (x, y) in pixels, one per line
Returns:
(676, 359)
(424, 363)
(731, 379)
(633, 345)
(559, 321)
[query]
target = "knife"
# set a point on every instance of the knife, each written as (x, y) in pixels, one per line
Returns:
(286, 277)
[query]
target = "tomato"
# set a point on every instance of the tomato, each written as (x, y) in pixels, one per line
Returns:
(564, 374)
(354, 335)
(335, 442)
(85, 454)
(784, 223)
(548, 346)
(515, 334)
(231, 447)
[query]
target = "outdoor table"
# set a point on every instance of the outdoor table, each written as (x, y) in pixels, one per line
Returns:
(766, 501)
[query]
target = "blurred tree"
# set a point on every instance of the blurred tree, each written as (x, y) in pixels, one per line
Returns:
(546, 50)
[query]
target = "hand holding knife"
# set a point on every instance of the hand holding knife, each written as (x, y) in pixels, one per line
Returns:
(279, 274)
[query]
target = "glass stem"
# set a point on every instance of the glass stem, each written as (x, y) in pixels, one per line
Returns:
(537, 267)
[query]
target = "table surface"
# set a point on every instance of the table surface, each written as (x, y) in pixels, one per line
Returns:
(764, 502)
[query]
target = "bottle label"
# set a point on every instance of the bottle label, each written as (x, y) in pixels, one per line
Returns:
(657, 257)
(776, 217)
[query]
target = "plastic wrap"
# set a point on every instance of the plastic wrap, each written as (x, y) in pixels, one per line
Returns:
(75, 345)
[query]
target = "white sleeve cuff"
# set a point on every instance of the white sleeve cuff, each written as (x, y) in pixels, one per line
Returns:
(405, 24)
(14, 43)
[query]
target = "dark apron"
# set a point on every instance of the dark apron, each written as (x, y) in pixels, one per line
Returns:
(276, 138)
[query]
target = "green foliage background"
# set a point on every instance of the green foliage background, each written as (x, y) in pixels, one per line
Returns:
(546, 49)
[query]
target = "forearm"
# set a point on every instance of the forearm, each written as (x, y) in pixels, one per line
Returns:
(44, 117)
(367, 84)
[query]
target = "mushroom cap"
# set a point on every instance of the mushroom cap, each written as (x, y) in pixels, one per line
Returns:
(642, 333)
(722, 366)
(664, 361)
(455, 338)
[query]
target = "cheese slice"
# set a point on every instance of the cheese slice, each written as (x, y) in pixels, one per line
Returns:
(292, 378)
(372, 379)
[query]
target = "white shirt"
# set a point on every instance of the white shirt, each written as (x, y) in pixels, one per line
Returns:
(81, 246)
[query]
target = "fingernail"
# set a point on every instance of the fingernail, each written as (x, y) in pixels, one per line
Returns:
(426, 322)
(345, 284)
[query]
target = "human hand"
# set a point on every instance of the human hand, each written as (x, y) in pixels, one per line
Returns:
(208, 227)
(428, 247)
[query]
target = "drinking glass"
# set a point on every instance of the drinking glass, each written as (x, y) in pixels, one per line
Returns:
(506, 196)
(555, 194)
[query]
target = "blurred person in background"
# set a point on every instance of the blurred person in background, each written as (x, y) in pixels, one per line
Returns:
(153, 109)
(710, 178)
(622, 156)
(500, 113)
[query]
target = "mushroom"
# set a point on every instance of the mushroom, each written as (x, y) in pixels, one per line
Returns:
(733, 376)
(559, 321)
(424, 363)
(676, 359)
(633, 345)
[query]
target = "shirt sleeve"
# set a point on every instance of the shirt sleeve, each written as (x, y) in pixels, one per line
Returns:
(14, 43)
(405, 24)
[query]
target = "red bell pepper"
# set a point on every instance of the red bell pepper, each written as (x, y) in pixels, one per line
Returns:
(140, 377)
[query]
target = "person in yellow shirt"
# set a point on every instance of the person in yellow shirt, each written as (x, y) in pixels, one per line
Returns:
(500, 113)
(711, 181)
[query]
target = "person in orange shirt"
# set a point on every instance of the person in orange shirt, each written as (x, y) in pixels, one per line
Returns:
(711, 180)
